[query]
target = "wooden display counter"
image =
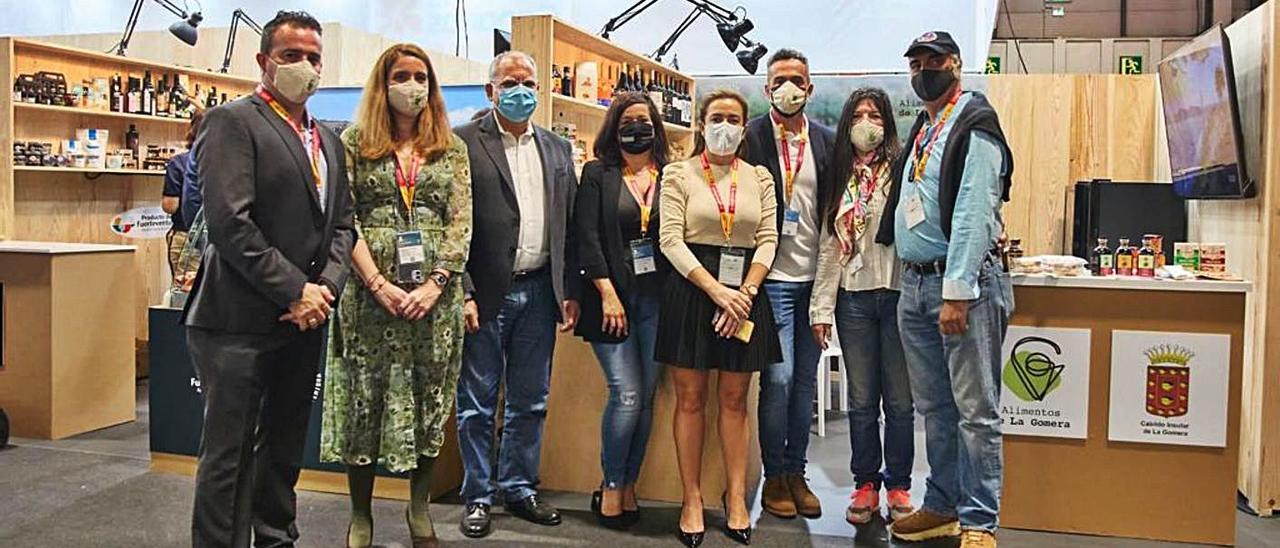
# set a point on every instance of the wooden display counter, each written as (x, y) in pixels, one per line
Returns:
(67, 346)
(1123, 488)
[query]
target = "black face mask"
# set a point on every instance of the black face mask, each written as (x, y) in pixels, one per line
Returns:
(636, 137)
(930, 84)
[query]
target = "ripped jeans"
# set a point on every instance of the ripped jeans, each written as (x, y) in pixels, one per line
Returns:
(632, 375)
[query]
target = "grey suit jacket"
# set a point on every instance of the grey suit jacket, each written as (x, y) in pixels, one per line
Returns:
(496, 215)
(267, 234)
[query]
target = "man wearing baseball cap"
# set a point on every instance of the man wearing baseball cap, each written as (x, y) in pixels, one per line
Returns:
(956, 297)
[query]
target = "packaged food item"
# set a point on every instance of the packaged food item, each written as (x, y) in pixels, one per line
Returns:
(1187, 255)
(1157, 243)
(1213, 258)
(1026, 265)
(1063, 265)
(1147, 258)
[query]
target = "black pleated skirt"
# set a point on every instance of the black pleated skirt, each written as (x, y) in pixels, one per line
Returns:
(687, 337)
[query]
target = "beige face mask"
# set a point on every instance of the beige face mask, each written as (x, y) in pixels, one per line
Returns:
(296, 82)
(408, 98)
(866, 136)
(789, 98)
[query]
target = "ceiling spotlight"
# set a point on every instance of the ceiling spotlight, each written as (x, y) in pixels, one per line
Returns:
(732, 31)
(750, 58)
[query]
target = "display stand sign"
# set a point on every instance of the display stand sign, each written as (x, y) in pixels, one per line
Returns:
(1045, 382)
(1169, 388)
(142, 223)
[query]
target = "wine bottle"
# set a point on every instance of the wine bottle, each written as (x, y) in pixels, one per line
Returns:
(117, 94)
(566, 81)
(655, 92)
(148, 95)
(133, 101)
(555, 80)
(1103, 261)
(624, 82)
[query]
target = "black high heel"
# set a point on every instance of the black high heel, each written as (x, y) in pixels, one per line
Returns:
(617, 522)
(690, 540)
(740, 536)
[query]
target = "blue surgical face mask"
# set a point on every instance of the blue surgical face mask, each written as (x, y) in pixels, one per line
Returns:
(517, 103)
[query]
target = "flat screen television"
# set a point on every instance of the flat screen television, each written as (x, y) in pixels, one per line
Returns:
(1202, 120)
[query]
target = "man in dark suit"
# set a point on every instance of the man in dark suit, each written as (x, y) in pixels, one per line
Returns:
(522, 190)
(797, 151)
(279, 215)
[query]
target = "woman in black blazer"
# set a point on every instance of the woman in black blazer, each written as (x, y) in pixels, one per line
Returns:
(616, 221)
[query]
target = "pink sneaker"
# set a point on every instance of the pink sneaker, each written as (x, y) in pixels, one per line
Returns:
(865, 503)
(899, 504)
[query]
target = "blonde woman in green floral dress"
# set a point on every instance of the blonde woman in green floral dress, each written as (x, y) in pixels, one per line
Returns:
(396, 345)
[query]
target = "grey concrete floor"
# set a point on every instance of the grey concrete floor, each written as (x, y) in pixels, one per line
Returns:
(96, 490)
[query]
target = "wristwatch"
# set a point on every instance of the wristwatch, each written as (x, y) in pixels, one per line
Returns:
(439, 278)
(751, 290)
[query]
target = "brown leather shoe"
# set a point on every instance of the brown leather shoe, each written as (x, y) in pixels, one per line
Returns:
(807, 504)
(973, 538)
(924, 525)
(777, 498)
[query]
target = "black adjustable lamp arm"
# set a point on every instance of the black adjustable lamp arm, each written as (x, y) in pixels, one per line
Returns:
(675, 35)
(133, 20)
(715, 11)
(236, 17)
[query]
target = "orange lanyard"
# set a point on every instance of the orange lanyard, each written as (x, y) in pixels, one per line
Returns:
(923, 153)
(785, 148)
(302, 133)
(645, 201)
(408, 184)
(726, 214)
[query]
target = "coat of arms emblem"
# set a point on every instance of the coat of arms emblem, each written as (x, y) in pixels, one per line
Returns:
(1168, 380)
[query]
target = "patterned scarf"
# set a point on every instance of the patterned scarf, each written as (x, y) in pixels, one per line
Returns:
(851, 222)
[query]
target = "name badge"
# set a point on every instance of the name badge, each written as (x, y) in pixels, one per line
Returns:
(790, 222)
(643, 257)
(915, 210)
(733, 266)
(409, 257)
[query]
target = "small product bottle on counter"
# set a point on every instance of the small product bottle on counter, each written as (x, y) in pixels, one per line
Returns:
(1102, 262)
(1124, 258)
(1147, 258)
(131, 140)
(1157, 243)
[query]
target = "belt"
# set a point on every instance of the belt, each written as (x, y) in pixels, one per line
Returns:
(931, 268)
(522, 275)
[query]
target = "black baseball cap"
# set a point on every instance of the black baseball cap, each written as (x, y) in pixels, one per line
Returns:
(936, 41)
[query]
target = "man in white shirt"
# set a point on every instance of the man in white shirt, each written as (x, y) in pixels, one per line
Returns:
(522, 188)
(796, 150)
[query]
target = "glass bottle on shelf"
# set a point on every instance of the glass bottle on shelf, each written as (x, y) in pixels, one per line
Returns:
(1147, 258)
(624, 81)
(566, 81)
(604, 91)
(117, 93)
(131, 140)
(555, 79)
(1102, 262)
(655, 92)
(1124, 258)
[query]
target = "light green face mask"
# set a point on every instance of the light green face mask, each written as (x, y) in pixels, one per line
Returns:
(866, 136)
(408, 98)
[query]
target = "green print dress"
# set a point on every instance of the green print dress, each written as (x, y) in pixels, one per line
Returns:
(389, 383)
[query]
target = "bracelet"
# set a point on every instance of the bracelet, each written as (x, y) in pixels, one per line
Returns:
(379, 286)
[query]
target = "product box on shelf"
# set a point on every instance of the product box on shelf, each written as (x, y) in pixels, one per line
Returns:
(584, 83)
(1213, 258)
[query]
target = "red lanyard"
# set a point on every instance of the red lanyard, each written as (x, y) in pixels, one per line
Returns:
(922, 154)
(785, 148)
(645, 201)
(302, 134)
(726, 215)
(408, 185)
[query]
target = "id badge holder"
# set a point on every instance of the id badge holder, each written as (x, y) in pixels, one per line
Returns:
(409, 258)
(790, 222)
(643, 256)
(915, 210)
(733, 266)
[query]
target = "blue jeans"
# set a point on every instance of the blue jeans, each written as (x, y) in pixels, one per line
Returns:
(877, 373)
(787, 389)
(515, 346)
(955, 380)
(632, 376)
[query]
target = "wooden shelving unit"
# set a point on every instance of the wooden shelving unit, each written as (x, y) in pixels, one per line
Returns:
(553, 42)
(54, 204)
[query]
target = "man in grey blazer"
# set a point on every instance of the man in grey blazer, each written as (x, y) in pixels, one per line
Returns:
(279, 214)
(523, 184)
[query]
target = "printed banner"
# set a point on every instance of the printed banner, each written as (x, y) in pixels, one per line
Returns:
(1045, 382)
(1169, 388)
(142, 223)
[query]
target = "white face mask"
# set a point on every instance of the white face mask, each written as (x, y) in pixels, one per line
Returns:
(407, 98)
(722, 138)
(789, 98)
(296, 81)
(866, 135)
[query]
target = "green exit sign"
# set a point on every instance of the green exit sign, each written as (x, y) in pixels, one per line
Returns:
(993, 65)
(1130, 64)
